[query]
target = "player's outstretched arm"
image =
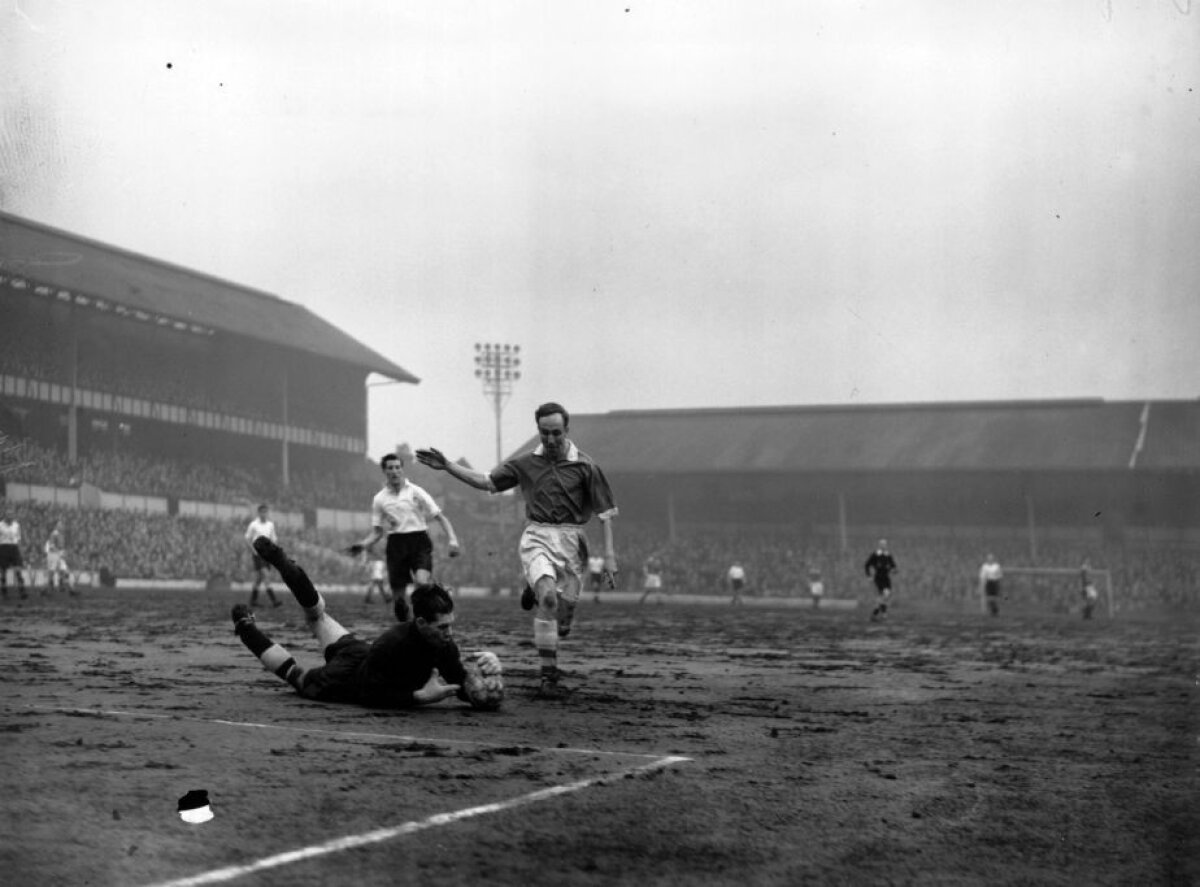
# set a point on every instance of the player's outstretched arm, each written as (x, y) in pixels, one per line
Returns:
(610, 555)
(435, 459)
(451, 538)
(357, 548)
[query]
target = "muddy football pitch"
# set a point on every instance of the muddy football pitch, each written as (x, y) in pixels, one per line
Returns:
(701, 744)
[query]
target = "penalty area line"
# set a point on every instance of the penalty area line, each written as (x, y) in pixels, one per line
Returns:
(350, 842)
(287, 728)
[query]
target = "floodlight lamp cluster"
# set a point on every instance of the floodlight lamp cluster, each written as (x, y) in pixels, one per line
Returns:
(497, 363)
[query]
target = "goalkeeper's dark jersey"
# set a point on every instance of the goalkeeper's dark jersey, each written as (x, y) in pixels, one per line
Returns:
(384, 673)
(881, 565)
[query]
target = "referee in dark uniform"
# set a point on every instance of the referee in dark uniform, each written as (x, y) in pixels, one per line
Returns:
(880, 566)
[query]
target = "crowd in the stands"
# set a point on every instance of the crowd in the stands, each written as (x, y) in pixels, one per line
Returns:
(777, 560)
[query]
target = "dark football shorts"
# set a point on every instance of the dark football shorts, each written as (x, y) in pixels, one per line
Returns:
(336, 680)
(10, 557)
(407, 553)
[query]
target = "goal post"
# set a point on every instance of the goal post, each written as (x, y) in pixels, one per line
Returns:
(1054, 588)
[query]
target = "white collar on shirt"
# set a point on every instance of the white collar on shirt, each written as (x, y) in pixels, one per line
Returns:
(572, 451)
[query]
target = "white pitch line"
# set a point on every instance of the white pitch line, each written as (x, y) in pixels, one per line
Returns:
(229, 873)
(348, 733)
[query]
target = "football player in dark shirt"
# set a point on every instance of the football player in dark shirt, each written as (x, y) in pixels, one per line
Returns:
(412, 663)
(880, 566)
(563, 489)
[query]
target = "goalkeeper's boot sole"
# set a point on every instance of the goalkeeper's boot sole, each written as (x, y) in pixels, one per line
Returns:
(242, 616)
(269, 551)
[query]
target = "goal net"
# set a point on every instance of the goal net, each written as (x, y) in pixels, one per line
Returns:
(1050, 590)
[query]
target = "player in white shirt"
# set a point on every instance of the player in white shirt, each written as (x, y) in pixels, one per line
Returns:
(595, 567)
(402, 511)
(261, 526)
(990, 575)
(652, 578)
(10, 553)
(1090, 594)
(737, 581)
(377, 581)
(816, 585)
(58, 574)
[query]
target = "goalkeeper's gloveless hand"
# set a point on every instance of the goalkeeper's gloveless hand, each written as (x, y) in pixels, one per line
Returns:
(432, 458)
(488, 662)
(435, 690)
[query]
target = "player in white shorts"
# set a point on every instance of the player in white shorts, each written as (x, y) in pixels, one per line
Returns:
(990, 575)
(652, 578)
(262, 525)
(563, 489)
(595, 567)
(58, 574)
(816, 586)
(736, 577)
(377, 571)
(1090, 594)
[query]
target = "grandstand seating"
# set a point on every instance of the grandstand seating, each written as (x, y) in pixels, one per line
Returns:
(133, 545)
(936, 569)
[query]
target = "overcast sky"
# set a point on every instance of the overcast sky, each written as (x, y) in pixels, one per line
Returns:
(665, 204)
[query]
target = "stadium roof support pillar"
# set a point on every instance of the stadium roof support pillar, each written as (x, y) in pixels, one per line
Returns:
(283, 456)
(73, 406)
(1031, 522)
(841, 498)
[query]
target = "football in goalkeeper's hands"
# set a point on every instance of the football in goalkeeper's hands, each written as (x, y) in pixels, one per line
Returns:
(483, 691)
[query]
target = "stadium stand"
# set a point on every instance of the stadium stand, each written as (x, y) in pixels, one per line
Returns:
(125, 376)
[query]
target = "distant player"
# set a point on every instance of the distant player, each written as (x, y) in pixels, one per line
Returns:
(411, 664)
(402, 512)
(736, 577)
(262, 525)
(595, 568)
(10, 554)
(816, 586)
(990, 575)
(880, 566)
(58, 574)
(1090, 594)
(652, 578)
(377, 580)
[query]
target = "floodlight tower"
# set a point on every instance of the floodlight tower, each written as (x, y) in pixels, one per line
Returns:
(498, 367)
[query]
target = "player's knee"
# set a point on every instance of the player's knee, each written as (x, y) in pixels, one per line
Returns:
(547, 596)
(314, 613)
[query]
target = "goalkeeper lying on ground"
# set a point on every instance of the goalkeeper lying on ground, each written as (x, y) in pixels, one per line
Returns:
(412, 663)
